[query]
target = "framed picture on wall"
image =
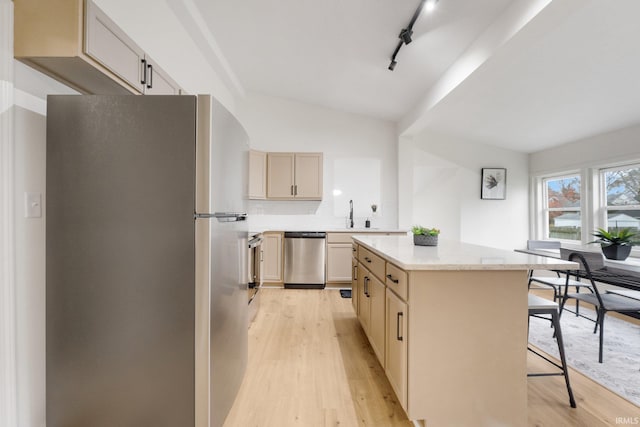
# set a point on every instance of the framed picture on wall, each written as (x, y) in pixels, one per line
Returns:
(494, 184)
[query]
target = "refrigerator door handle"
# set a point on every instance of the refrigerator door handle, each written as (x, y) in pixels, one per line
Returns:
(223, 216)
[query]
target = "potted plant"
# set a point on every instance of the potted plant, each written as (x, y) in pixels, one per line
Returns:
(425, 236)
(616, 244)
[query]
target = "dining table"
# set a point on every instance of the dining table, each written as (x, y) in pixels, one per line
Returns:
(620, 274)
(617, 273)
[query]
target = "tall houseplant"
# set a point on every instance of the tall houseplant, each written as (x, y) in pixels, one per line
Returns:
(617, 243)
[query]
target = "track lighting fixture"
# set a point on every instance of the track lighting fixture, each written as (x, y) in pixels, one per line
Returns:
(406, 33)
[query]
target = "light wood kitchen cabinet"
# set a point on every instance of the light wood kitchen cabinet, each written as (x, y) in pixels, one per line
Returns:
(338, 266)
(354, 284)
(74, 42)
(397, 281)
(396, 345)
(339, 251)
(294, 176)
(272, 257)
(377, 318)
(157, 81)
(372, 262)
(110, 46)
(364, 302)
(257, 175)
(371, 302)
(423, 305)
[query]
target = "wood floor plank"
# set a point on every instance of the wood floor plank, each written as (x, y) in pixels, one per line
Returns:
(310, 364)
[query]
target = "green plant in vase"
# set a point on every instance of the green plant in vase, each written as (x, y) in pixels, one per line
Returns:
(617, 243)
(425, 236)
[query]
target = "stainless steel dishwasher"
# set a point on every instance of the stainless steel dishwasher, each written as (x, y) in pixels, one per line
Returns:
(304, 255)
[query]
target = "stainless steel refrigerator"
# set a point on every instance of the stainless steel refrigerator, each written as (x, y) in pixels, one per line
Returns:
(146, 261)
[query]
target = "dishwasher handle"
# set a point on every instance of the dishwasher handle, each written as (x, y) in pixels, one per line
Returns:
(305, 235)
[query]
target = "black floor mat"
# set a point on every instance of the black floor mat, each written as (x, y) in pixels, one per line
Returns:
(345, 293)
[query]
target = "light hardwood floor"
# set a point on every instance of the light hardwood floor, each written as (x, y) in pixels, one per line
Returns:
(310, 364)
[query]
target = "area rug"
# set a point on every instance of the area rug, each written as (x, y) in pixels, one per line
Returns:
(620, 370)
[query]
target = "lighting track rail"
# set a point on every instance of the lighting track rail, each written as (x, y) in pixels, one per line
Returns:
(406, 33)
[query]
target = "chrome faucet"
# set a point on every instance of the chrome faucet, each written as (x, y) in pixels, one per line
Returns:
(351, 213)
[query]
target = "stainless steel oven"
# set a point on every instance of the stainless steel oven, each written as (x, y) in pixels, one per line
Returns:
(254, 279)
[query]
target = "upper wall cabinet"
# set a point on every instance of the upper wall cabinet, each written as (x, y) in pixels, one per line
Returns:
(74, 42)
(294, 176)
(257, 174)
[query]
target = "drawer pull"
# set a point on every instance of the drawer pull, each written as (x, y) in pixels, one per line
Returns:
(390, 277)
(398, 332)
(367, 259)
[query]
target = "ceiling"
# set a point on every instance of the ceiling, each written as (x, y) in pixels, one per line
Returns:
(544, 79)
(335, 53)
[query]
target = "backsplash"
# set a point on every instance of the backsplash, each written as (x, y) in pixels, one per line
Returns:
(305, 215)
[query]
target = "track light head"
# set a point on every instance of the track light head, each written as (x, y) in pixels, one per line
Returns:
(392, 65)
(405, 35)
(430, 6)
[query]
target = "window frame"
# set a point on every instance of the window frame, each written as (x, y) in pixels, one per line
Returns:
(602, 208)
(544, 204)
(593, 201)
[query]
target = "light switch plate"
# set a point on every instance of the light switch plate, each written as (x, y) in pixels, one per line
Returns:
(32, 205)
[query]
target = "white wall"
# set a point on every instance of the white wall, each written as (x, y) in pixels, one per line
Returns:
(8, 377)
(439, 181)
(29, 120)
(368, 145)
(585, 157)
(30, 153)
(612, 147)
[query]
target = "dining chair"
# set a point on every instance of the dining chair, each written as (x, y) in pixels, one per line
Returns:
(602, 302)
(541, 307)
(558, 282)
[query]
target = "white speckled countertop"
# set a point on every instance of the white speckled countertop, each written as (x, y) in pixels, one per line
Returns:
(453, 255)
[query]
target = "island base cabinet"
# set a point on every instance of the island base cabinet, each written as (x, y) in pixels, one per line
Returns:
(354, 285)
(468, 352)
(377, 317)
(364, 300)
(396, 346)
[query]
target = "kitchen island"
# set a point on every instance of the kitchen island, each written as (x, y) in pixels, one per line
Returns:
(449, 325)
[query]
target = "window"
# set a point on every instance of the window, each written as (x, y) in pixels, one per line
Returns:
(562, 207)
(621, 190)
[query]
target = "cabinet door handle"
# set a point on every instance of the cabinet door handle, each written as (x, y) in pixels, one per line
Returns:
(398, 331)
(143, 72)
(355, 272)
(390, 277)
(295, 190)
(150, 81)
(366, 286)
(292, 190)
